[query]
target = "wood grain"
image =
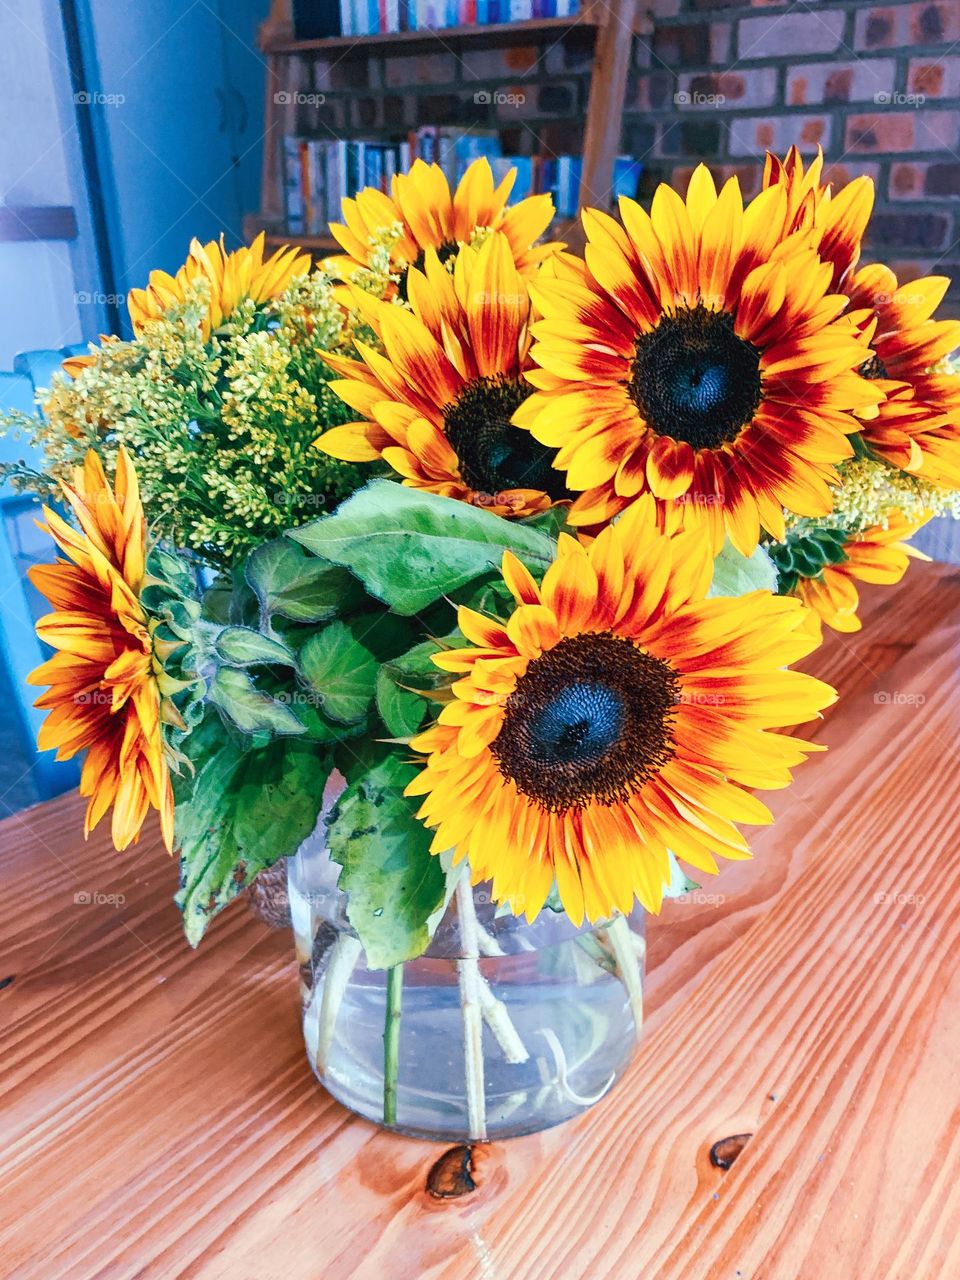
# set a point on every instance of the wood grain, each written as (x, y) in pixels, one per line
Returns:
(159, 1119)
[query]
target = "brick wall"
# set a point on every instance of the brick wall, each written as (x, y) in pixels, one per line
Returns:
(720, 81)
(877, 86)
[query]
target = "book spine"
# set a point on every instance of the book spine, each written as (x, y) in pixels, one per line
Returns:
(292, 191)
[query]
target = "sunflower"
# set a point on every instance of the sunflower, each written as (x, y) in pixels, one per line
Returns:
(699, 357)
(615, 715)
(430, 217)
(838, 218)
(438, 403)
(879, 554)
(104, 695)
(917, 425)
(230, 277)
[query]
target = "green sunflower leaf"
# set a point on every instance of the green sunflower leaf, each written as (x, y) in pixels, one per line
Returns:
(735, 574)
(340, 670)
(409, 547)
(242, 811)
(290, 582)
(395, 886)
(401, 705)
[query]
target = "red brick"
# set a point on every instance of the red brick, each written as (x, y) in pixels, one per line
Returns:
(935, 77)
(831, 82)
(790, 34)
(753, 135)
(893, 132)
(900, 26)
(688, 43)
(424, 68)
(652, 92)
(500, 64)
(909, 230)
(721, 38)
(942, 179)
(745, 87)
(906, 180)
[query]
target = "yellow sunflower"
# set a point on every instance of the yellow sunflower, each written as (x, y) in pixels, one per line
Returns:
(231, 277)
(916, 427)
(438, 402)
(699, 357)
(431, 217)
(615, 715)
(879, 554)
(839, 218)
(103, 696)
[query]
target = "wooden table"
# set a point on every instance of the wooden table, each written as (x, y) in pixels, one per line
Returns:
(159, 1119)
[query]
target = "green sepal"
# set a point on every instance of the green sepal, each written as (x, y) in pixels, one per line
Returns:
(244, 647)
(251, 710)
(805, 553)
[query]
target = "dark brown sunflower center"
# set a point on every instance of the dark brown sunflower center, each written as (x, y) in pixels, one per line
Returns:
(694, 380)
(873, 368)
(449, 249)
(588, 723)
(493, 454)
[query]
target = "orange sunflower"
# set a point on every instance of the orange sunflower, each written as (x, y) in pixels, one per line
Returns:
(699, 357)
(616, 715)
(231, 277)
(103, 696)
(437, 405)
(878, 554)
(838, 218)
(917, 425)
(430, 217)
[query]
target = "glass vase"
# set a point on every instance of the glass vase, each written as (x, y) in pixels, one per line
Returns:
(502, 1027)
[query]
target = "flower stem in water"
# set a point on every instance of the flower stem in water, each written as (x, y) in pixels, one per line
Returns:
(391, 1043)
(468, 969)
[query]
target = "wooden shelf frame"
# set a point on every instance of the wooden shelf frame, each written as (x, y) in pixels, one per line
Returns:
(610, 19)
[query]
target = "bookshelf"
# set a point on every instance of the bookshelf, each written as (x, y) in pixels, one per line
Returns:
(606, 21)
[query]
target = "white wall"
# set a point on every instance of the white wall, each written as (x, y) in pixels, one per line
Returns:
(38, 307)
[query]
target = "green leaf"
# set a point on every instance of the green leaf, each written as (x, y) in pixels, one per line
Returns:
(735, 574)
(296, 585)
(247, 707)
(401, 707)
(410, 547)
(244, 647)
(340, 670)
(395, 887)
(244, 810)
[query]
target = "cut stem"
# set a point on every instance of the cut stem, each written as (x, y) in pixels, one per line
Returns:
(468, 970)
(391, 1043)
(628, 969)
(343, 960)
(497, 1017)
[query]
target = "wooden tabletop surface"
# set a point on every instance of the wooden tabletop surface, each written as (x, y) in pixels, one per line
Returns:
(159, 1119)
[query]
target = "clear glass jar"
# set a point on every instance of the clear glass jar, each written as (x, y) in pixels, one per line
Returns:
(504, 1027)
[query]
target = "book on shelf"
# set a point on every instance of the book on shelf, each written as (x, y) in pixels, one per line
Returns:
(323, 19)
(320, 172)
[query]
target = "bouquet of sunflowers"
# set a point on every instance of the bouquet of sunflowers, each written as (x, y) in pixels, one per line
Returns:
(577, 518)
